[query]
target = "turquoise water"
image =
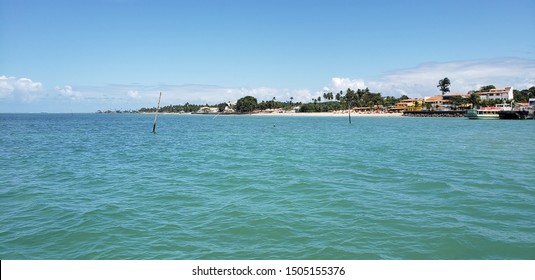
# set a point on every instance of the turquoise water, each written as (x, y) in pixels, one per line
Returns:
(88, 186)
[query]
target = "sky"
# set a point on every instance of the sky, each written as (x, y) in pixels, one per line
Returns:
(89, 55)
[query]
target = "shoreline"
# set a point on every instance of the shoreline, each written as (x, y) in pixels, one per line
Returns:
(329, 114)
(291, 114)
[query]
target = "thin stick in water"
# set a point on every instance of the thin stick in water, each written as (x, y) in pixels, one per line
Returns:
(156, 116)
(349, 111)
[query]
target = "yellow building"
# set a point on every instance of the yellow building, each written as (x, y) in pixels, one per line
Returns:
(411, 104)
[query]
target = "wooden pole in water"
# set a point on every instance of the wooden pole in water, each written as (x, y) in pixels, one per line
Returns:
(156, 116)
(349, 111)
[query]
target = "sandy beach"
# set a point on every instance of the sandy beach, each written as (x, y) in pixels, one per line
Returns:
(330, 114)
(293, 114)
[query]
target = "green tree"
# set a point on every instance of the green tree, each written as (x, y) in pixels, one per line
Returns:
(338, 96)
(444, 85)
(390, 101)
(246, 104)
(330, 96)
(474, 99)
(350, 97)
(221, 107)
(523, 95)
(486, 88)
(456, 101)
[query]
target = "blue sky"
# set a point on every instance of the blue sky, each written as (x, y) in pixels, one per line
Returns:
(81, 55)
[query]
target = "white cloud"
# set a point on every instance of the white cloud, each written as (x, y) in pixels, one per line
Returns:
(23, 88)
(67, 91)
(134, 94)
(418, 81)
(345, 83)
(25, 84)
(468, 75)
(210, 94)
(267, 93)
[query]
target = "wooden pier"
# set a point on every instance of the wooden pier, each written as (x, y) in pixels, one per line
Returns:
(516, 115)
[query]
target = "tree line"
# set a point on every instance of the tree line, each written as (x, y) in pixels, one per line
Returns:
(362, 98)
(186, 108)
(330, 101)
(327, 102)
(523, 95)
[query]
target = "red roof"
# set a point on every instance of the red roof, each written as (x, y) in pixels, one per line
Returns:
(495, 90)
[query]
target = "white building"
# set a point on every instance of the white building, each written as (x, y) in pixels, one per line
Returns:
(497, 93)
(208, 110)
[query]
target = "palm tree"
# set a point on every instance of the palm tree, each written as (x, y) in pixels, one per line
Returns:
(474, 99)
(444, 85)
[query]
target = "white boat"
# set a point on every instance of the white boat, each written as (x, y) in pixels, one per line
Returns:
(488, 113)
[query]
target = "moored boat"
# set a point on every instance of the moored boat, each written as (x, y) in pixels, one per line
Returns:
(488, 113)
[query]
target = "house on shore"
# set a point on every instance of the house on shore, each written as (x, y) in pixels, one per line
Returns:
(497, 93)
(434, 102)
(411, 104)
(208, 110)
(442, 102)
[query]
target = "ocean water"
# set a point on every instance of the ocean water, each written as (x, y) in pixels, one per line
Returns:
(89, 186)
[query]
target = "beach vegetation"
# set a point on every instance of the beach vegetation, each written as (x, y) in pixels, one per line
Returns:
(246, 104)
(492, 102)
(360, 100)
(320, 107)
(186, 108)
(474, 99)
(523, 95)
(221, 107)
(486, 88)
(328, 96)
(327, 102)
(338, 96)
(457, 101)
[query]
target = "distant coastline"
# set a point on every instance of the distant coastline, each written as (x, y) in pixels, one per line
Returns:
(361, 102)
(290, 114)
(330, 114)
